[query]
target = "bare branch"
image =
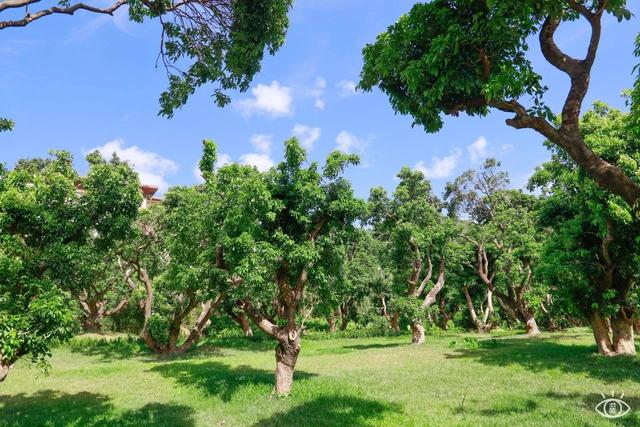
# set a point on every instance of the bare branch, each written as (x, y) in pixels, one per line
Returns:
(30, 17)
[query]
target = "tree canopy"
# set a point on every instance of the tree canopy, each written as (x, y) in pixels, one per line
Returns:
(48, 216)
(451, 56)
(591, 260)
(222, 42)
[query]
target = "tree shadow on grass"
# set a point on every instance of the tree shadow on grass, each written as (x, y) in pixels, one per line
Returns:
(332, 411)
(54, 408)
(109, 349)
(374, 345)
(215, 378)
(257, 342)
(540, 354)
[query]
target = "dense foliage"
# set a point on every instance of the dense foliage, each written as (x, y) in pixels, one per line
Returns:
(49, 219)
(591, 259)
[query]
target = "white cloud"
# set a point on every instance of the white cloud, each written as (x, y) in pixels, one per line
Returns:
(306, 135)
(223, 159)
(317, 92)
(262, 162)
(261, 158)
(478, 149)
(441, 167)
(261, 142)
(151, 167)
(349, 143)
(347, 88)
(273, 100)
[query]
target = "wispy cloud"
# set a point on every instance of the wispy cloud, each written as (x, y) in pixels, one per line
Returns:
(307, 135)
(350, 143)
(317, 92)
(478, 149)
(151, 167)
(347, 88)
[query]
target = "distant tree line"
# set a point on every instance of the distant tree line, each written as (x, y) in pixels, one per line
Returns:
(277, 251)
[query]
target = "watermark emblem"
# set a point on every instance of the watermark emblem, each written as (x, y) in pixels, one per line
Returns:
(612, 407)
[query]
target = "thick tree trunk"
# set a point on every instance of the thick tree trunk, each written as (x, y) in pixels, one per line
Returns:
(92, 322)
(286, 358)
(601, 334)
(444, 322)
(531, 326)
(332, 323)
(623, 343)
(395, 325)
(417, 333)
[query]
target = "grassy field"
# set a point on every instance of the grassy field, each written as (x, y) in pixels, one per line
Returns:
(452, 380)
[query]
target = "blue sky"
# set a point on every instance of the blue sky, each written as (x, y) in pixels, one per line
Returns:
(82, 82)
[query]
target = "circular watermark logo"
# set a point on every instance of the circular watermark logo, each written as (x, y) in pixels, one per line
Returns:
(612, 407)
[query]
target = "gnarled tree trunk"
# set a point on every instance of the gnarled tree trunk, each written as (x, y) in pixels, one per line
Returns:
(484, 324)
(332, 323)
(623, 342)
(531, 326)
(391, 318)
(286, 357)
(417, 333)
(601, 334)
(92, 322)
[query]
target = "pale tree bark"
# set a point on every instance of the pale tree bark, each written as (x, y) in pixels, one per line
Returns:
(531, 326)
(287, 351)
(331, 320)
(430, 298)
(481, 325)
(513, 302)
(417, 329)
(94, 307)
(623, 339)
(391, 318)
(601, 334)
(417, 333)
(286, 358)
(551, 324)
(197, 331)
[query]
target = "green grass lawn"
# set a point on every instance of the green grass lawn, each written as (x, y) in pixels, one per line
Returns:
(552, 380)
